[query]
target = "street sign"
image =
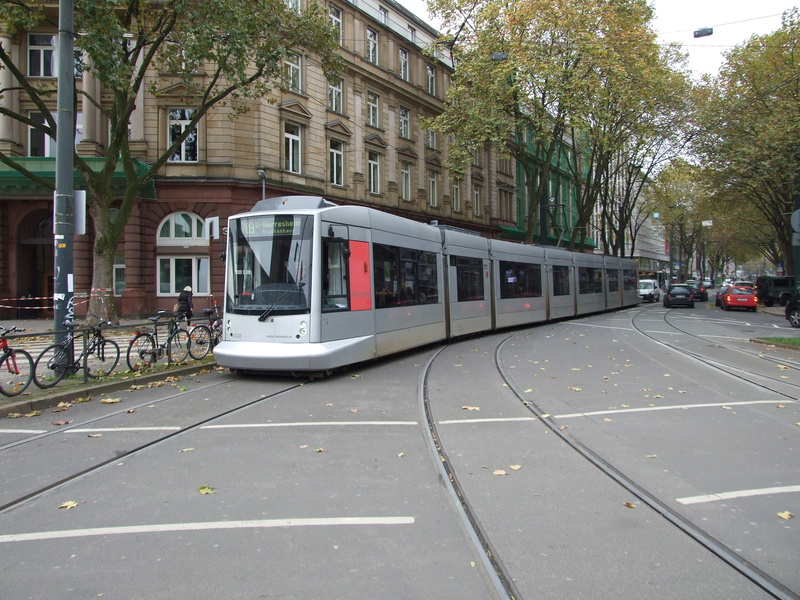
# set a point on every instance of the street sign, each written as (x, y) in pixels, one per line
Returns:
(796, 220)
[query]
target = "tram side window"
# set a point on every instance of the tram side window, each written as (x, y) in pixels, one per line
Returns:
(629, 281)
(335, 295)
(613, 280)
(561, 280)
(520, 280)
(469, 278)
(385, 275)
(590, 280)
(403, 276)
(427, 278)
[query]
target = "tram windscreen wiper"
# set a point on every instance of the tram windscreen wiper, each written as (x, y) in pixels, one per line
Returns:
(263, 316)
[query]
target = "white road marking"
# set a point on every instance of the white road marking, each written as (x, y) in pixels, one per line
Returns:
(677, 407)
(23, 431)
(120, 429)
(600, 326)
(309, 424)
(739, 494)
(609, 412)
(500, 420)
(167, 527)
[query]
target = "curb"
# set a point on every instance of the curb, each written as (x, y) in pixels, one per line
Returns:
(55, 397)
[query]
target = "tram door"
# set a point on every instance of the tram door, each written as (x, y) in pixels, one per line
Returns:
(346, 282)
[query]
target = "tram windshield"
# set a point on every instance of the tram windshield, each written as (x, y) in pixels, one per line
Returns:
(269, 263)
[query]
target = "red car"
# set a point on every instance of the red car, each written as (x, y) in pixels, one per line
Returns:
(739, 297)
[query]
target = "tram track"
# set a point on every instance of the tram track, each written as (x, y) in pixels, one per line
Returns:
(752, 573)
(503, 580)
(763, 381)
(496, 571)
(122, 455)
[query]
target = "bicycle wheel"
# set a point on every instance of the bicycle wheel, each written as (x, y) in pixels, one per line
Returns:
(104, 359)
(199, 341)
(16, 372)
(51, 366)
(216, 332)
(141, 352)
(178, 346)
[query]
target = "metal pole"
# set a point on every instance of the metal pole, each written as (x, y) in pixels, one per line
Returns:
(63, 202)
(671, 244)
(543, 214)
(795, 246)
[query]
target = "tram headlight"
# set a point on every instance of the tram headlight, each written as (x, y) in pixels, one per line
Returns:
(228, 325)
(303, 325)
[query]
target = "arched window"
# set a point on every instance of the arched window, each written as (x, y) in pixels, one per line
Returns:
(182, 255)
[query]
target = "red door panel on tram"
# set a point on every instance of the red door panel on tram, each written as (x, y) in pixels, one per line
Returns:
(360, 276)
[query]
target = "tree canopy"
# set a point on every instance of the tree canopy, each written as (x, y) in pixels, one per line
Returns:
(582, 87)
(749, 132)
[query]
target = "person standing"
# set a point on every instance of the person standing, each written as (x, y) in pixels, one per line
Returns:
(185, 304)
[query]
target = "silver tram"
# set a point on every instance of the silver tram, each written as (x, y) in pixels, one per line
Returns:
(313, 286)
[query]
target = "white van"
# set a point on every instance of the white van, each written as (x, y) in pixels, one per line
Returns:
(649, 290)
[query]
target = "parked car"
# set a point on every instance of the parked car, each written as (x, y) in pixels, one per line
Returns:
(709, 283)
(678, 294)
(720, 293)
(774, 289)
(744, 284)
(699, 293)
(649, 290)
(792, 311)
(740, 296)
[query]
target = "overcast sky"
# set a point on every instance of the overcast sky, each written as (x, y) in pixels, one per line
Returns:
(733, 21)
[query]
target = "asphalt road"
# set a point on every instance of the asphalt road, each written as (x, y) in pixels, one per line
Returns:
(207, 485)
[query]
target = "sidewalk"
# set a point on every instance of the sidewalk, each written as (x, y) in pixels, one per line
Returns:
(38, 334)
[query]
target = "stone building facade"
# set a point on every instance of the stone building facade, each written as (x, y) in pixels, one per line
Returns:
(356, 140)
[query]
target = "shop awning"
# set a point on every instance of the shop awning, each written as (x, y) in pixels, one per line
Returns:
(14, 184)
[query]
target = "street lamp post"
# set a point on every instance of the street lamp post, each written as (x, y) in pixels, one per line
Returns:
(64, 200)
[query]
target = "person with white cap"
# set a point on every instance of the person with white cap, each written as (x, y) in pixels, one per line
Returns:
(185, 304)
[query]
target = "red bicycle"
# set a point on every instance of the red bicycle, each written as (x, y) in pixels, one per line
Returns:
(16, 366)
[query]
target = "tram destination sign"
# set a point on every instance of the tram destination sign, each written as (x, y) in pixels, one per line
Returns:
(270, 226)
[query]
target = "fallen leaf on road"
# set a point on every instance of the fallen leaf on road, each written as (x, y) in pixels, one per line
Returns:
(629, 505)
(68, 504)
(206, 489)
(785, 515)
(110, 400)
(499, 472)
(471, 407)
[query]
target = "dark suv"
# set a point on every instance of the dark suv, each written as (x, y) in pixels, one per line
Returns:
(792, 312)
(699, 292)
(678, 294)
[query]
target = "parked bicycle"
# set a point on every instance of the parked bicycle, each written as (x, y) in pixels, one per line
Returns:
(145, 349)
(98, 357)
(16, 366)
(202, 337)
